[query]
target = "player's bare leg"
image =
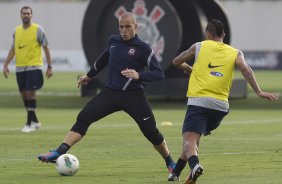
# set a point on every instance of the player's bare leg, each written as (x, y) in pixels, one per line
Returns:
(163, 150)
(72, 138)
(190, 148)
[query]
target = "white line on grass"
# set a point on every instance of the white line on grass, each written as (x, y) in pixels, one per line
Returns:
(253, 121)
(147, 156)
(235, 153)
(41, 93)
(132, 124)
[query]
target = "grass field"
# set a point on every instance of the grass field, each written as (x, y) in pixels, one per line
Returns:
(245, 149)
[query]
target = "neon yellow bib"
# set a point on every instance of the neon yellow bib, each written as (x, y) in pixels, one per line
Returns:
(213, 71)
(27, 49)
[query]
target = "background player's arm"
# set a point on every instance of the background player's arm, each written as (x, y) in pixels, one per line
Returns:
(42, 40)
(248, 74)
(49, 71)
(10, 56)
(181, 59)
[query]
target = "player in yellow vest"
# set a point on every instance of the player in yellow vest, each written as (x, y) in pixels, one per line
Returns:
(26, 47)
(208, 91)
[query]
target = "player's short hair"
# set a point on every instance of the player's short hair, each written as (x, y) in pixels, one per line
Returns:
(128, 14)
(26, 7)
(215, 27)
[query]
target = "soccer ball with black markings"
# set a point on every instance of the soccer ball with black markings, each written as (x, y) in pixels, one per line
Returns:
(67, 165)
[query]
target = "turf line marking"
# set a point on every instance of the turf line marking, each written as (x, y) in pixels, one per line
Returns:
(253, 121)
(132, 124)
(147, 156)
(43, 93)
(235, 153)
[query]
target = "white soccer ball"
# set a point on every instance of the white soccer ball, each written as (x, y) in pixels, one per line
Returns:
(67, 165)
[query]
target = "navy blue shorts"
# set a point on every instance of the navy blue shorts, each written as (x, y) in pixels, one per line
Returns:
(30, 80)
(202, 120)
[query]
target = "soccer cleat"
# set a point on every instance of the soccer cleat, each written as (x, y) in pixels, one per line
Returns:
(173, 177)
(170, 167)
(35, 125)
(194, 174)
(26, 129)
(51, 156)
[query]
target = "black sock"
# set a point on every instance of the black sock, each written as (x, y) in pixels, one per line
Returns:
(32, 107)
(63, 148)
(179, 167)
(33, 116)
(168, 160)
(25, 103)
(29, 117)
(193, 161)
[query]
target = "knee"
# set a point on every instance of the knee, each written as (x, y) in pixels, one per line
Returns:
(82, 116)
(80, 128)
(155, 137)
(189, 146)
(81, 125)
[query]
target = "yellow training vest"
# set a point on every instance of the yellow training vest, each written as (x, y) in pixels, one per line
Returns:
(213, 70)
(27, 48)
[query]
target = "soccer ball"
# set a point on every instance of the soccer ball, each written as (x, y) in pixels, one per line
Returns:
(67, 165)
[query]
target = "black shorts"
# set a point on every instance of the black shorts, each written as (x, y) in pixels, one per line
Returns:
(30, 80)
(202, 120)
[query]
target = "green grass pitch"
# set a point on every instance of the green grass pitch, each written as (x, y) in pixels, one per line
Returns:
(245, 149)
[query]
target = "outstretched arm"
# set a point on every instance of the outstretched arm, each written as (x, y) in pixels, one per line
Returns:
(181, 59)
(248, 74)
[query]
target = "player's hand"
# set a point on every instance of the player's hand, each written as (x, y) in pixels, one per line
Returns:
(6, 71)
(49, 73)
(130, 73)
(268, 96)
(83, 80)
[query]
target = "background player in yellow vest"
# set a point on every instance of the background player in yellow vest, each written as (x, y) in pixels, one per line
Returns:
(27, 41)
(209, 86)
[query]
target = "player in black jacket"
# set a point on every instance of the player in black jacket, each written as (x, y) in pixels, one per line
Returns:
(126, 57)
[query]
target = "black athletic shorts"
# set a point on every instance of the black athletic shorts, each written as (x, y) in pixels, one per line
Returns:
(202, 120)
(30, 80)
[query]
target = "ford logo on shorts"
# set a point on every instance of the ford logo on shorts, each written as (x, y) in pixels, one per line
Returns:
(218, 74)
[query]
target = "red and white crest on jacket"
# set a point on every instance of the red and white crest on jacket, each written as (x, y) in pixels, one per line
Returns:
(147, 25)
